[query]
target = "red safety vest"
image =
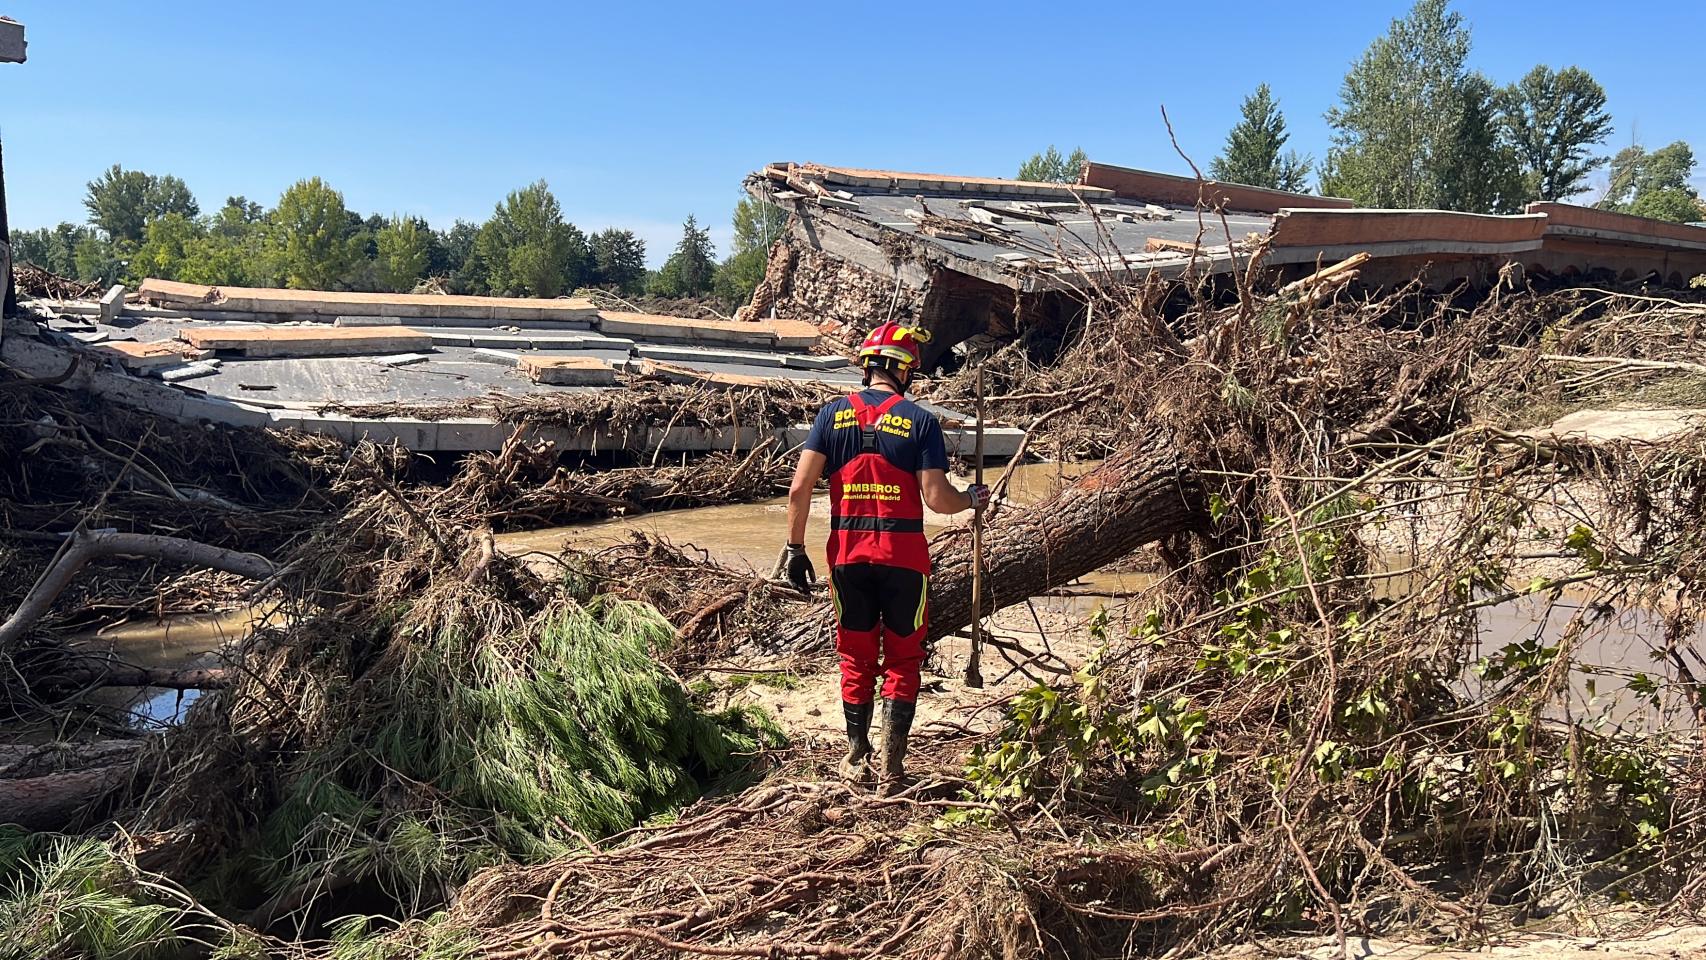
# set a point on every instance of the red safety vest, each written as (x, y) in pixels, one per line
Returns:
(876, 514)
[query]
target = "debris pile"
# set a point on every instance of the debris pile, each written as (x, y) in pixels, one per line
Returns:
(1301, 727)
(29, 280)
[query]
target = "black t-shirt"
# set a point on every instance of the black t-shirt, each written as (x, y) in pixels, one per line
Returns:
(911, 439)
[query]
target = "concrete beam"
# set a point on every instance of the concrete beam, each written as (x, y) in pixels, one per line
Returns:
(704, 355)
(525, 323)
(319, 340)
(1188, 191)
(757, 333)
(112, 303)
(328, 305)
(568, 371)
(141, 357)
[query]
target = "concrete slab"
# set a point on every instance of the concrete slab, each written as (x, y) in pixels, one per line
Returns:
(462, 434)
(703, 355)
(188, 371)
(999, 443)
(307, 341)
(410, 434)
(806, 361)
(525, 323)
(763, 333)
(501, 341)
(141, 357)
(297, 389)
(792, 334)
(606, 343)
(675, 373)
(568, 371)
(402, 359)
(222, 411)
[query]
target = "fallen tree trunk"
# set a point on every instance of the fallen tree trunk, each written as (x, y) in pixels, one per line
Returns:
(109, 671)
(50, 802)
(42, 788)
(1135, 497)
(83, 546)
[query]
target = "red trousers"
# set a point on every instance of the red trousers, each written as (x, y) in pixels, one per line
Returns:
(881, 613)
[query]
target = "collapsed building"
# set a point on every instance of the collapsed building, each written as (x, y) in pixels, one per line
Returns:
(431, 372)
(964, 256)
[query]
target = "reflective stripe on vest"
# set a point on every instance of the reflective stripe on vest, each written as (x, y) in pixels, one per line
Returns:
(878, 524)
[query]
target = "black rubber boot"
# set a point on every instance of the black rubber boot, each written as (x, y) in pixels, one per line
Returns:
(897, 727)
(856, 766)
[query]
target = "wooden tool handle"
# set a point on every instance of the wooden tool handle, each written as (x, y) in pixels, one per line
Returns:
(974, 676)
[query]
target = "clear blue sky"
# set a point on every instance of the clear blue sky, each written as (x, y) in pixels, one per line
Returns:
(639, 113)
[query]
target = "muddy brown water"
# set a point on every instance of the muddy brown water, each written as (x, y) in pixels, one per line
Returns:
(174, 643)
(751, 535)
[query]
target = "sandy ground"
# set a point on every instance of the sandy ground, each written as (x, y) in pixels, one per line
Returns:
(1667, 943)
(807, 704)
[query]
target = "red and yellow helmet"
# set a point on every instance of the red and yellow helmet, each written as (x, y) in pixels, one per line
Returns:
(893, 347)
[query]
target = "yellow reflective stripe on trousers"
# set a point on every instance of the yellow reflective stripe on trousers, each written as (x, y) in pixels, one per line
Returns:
(923, 594)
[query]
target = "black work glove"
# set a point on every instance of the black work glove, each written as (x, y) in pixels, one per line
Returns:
(800, 571)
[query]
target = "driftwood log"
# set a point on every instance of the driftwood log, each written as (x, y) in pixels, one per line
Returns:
(1136, 497)
(43, 787)
(83, 546)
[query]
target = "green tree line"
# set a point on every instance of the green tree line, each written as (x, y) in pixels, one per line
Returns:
(1416, 126)
(144, 225)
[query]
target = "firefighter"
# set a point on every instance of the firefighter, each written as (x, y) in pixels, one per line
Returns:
(885, 459)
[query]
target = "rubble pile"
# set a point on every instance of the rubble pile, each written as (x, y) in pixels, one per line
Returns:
(839, 297)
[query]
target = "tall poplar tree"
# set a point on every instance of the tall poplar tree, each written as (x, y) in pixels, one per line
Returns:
(1654, 183)
(1414, 127)
(310, 236)
(1252, 154)
(1555, 120)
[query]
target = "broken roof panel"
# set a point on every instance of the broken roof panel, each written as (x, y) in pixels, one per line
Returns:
(1569, 220)
(806, 175)
(1032, 236)
(1024, 235)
